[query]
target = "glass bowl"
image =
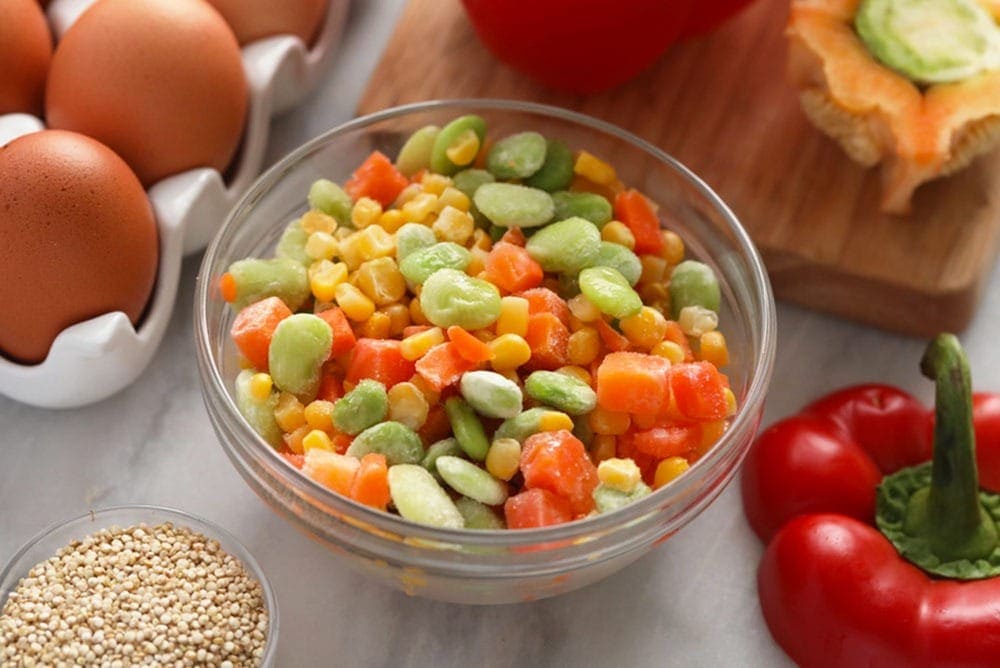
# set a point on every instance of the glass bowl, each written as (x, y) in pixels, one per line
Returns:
(47, 543)
(489, 566)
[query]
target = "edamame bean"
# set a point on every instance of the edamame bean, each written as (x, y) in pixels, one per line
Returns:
(412, 237)
(469, 180)
(491, 394)
(468, 479)
(566, 247)
(299, 346)
(259, 413)
(281, 277)
(556, 172)
(446, 446)
(621, 258)
(590, 206)
(451, 297)
(693, 283)
(478, 515)
(440, 162)
(511, 205)
(609, 291)
(416, 151)
(568, 394)
(293, 244)
(467, 428)
(520, 427)
(607, 499)
(331, 199)
(399, 443)
(367, 404)
(419, 498)
(421, 263)
(517, 156)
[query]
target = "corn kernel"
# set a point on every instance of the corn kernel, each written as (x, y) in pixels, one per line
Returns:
(509, 352)
(365, 212)
(731, 404)
(617, 232)
(417, 316)
(669, 469)
(464, 149)
(317, 221)
(260, 386)
(513, 318)
(399, 318)
(712, 348)
(711, 432)
(481, 239)
(289, 413)
(381, 281)
(455, 198)
(407, 194)
(477, 261)
(321, 246)
(593, 168)
(697, 320)
(668, 350)
(673, 248)
(582, 308)
(408, 405)
(318, 440)
(554, 421)
(644, 329)
(294, 438)
(376, 326)
(574, 371)
(603, 447)
(434, 184)
(430, 394)
(575, 324)
(584, 346)
(374, 242)
(319, 414)
(413, 347)
(453, 225)
(353, 302)
(420, 208)
(654, 269)
(609, 423)
(324, 277)
(620, 474)
(503, 459)
(391, 220)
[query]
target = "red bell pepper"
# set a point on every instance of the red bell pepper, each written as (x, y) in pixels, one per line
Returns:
(872, 561)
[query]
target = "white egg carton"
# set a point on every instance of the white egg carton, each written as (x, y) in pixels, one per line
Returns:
(96, 358)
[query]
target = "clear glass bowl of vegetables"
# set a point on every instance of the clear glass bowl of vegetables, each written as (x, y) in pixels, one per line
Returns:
(487, 351)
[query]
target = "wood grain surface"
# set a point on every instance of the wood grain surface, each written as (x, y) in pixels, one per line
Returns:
(721, 105)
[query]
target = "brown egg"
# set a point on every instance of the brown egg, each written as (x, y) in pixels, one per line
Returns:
(160, 82)
(77, 239)
(25, 53)
(253, 19)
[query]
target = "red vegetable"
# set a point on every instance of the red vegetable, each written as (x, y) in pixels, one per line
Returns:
(633, 209)
(380, 359)
(866, 570)
(376, 178)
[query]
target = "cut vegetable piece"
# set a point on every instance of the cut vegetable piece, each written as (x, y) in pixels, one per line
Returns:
(558, 462)
(669, 441)
(699, 391)
(376, 178)
(381, 360)
(254, 326)
(633, 383)
(633, 209)
(468, 479)
(370, 485)
(343, 336)
(442, 366)
(330, 469)
(468, 346)
(548, 339)
(419, 498)
(511, 205)
(535, 508)
(511, 268)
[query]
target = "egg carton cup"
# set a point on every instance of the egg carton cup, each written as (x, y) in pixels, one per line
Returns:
(92, 360)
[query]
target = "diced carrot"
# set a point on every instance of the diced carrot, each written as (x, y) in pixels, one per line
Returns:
(613, 341)
(410, 330)
(536, 508)
(548, 339)
(330, 386)
(632, 382)
(543, 300)
(633, 209)
(332, 470)
(371, 483)
(468, 346)
(379, 359)
(377, 178)
(511, 269)
(699, 390)
(442, 365)
(343, 336)
(667, 441)
(341, 442)
(254, 326)
(676, 334)
(515, 236)
(558, 461)
(294, 458)
(227, 287)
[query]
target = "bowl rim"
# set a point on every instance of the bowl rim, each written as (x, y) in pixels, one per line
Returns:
(745, 419)
(209, 529)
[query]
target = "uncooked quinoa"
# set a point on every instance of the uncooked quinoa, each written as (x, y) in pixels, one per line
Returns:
(160, 595)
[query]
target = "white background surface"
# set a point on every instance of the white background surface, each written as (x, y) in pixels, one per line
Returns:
(691, 602)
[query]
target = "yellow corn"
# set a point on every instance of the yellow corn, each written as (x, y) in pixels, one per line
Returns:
(575, 324)
(434, 184)
(453, 197)
(712, 348)
(391, 220)
(381, 281)
(653, 293)
(408, 405)
(464, 149)
(321, 246)
(603, 447)
(353, 302)
(365, 212)
(554, 421)
(260, 386)
(669, 469)
(399, 318)
(582, 308)
(453, 225)
(417, 316)
(376, 326)
(711, 432)
(654, 269)
(731, 404)
(620, 474)
(574, 371)
(503, 458)
(477, 261)
(407, 194)
(673, 248)
(644, 329)
(509, 352)
(513, 316)
(430, 394)
(618, 232)
(374, 242)
(324, 277)
(584, 346)
(609, 423)
(289, 413)
(319, 414)
(318, 440)
(668, 350)
(481, 239)
(594, 169)
(413, 347)
(420, 208)
(294, 438)
(317, 221)
(697, 320)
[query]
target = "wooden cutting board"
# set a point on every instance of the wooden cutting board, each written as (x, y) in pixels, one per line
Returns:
(721, 105)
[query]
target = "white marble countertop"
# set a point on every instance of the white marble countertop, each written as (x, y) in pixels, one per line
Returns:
(690, 602)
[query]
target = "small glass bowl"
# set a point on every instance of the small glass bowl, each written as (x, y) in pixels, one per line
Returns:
(489, 566)
(45, 545)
